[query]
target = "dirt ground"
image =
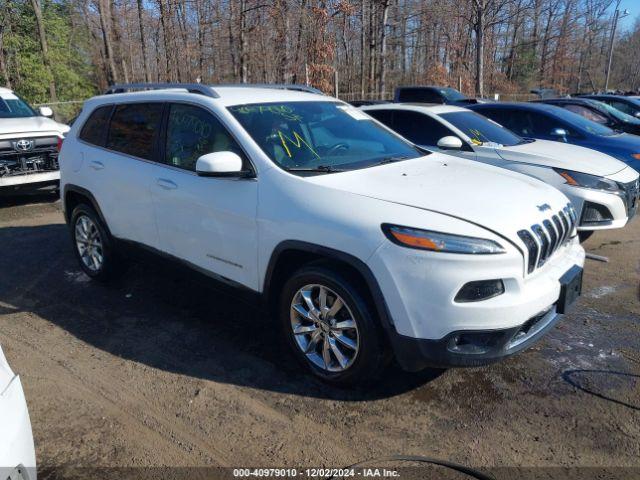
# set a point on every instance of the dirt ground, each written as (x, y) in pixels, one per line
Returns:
(161, 371)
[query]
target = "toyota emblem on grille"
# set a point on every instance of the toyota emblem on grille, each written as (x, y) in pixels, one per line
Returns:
(23, 145)
(544, 207)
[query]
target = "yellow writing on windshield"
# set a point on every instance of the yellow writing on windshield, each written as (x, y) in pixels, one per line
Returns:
(284, 111)
(476, 136)
(297, 141)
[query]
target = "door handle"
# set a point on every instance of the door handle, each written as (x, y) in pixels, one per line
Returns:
(96, 165)
(166, 184)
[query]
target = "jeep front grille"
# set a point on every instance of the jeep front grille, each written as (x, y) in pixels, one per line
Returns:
(543, 239)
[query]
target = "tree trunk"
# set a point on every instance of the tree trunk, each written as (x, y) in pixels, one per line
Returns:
(383, 47)
(479, 31)
(37, 8)
(147, 77)
(112, 73)
(3, 63)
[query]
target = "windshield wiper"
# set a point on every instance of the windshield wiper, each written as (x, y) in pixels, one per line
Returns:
(319, 169)
(391, 159)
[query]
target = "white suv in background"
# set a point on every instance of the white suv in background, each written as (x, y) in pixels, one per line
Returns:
(29, 145)
(357, 240)
(604, 191)
(17, 455)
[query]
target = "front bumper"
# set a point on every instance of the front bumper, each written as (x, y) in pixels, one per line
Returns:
(419, 290)
(17, 454)
(414, 354)
(29, 181)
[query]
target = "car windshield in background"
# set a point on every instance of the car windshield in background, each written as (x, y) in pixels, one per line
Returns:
(583, 123)
(623, 117)
(12, 106)
(481, 130)
(451, 94)
(320, 136)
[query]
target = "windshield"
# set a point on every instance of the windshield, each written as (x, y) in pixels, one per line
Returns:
(452, 94)
(620, 115)
(579, 121)
(481, 130)
(320, 135)
(12, 106)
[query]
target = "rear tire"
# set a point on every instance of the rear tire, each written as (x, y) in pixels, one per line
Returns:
(93, 245)
(330, 327)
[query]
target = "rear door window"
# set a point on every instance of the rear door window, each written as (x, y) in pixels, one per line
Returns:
(421, 129)
(95, 128)
(134, 129)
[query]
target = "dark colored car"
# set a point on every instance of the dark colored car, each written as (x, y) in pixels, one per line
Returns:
(598, 112)
(431, 94)
(626, 104)
(548, 122)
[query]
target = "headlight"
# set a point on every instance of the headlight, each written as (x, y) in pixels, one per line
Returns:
(578, 179)
(439, 242)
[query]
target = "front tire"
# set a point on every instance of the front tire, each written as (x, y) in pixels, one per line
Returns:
(93, 245)
(330, 327)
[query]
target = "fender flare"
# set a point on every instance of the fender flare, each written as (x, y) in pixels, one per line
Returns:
(362, 268)
(68, 188)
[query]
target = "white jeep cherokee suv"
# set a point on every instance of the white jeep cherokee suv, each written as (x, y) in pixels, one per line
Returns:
(603, 190)
(29, 144)
(359, 241)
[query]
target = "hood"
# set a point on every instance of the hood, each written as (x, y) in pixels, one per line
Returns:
(495, 198)
(562, 155)
(30, 126)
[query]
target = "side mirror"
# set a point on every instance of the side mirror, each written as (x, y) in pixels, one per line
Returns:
(637, 114)
(450, 143)
(45, 112)
(560, 133)
(220, 164)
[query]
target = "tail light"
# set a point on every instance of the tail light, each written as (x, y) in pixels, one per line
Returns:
(59, 144)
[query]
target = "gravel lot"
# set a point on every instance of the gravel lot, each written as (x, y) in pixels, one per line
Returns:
(159, 370)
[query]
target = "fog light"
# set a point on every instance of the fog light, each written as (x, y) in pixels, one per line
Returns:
(593, 213)
(471, 343)
(480, 290)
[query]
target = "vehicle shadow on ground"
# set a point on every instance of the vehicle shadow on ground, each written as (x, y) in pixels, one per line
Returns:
(599, 382)
(160, 316)
(26, 199)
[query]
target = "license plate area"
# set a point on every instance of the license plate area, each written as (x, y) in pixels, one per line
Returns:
(570, 290)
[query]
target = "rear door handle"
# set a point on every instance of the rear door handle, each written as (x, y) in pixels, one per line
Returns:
(166, 184)
(96, 165)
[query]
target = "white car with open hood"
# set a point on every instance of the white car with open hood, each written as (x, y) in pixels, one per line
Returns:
(29, 145)
(604, 191)
(354, 239)
(17, 455)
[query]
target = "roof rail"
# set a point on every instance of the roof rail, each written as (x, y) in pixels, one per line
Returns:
(190, 87)
(278, 86)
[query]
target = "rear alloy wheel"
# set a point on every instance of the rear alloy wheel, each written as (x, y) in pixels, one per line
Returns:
(89, 243)
(93, 245)
(330, 326)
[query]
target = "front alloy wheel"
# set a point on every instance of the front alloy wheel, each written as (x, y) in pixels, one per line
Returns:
(324, 328)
